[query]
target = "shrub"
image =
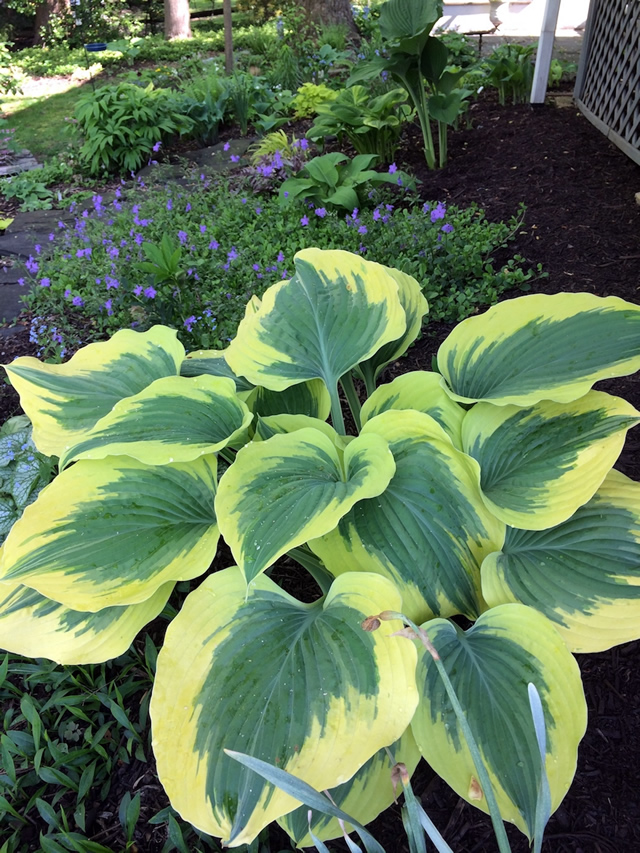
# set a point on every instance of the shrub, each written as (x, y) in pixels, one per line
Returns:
(309, 97)
(468, 492)
(371, 125)
(120, 124)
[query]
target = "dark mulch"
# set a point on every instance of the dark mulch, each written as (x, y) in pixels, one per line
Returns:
(582, 224)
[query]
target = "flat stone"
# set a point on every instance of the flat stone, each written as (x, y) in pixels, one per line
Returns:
(20, 164)
(10, 275)
(22, 243)
(11, 301)
(213, 160)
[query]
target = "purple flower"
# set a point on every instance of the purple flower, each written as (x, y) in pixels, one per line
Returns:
(169, 204)
(107, 305)
(304, 220)
(235, 158)
(150, 292)
(447, 228)
(256, 267)
(203, 229)
(393, 169)
(45, 282)
(52, 237)
(376, 215)
(61, 224)
(258, 211)
(362, 229)
(438, 212)
(157, 147)
(187, 207)
(226, 146)
(189, 322)
(232, 255)
(426, 207)
(213, 245)
(280, 257)
(77, 301)
(244, 201)
(321, 212)
(32, 265)
(113, 252)
(21, 282)
(137, 290)
(37, 247)
(182, 236)
(111, 282)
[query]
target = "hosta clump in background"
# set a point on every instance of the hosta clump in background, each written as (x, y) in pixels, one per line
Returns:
(23, 471)
(485, 490)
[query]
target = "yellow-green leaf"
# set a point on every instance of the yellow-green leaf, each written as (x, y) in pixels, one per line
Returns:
(301, 686)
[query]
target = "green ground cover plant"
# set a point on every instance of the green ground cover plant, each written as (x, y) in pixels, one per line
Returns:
(232, 245)
(464, 491)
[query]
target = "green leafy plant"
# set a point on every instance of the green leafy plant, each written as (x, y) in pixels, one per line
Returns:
(485, 490)
(510, 69)
(120, 124)
(309, 97)
(419, 62)
(205, 102)
(337, 181)
(28, 189)
(371, 125)
(24, 472)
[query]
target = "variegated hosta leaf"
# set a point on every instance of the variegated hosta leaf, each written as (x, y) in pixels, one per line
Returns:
(363, 797)
(336, 311)
(111, 532)
(584, 575)
(490, 666)
(307, 398)
(541, 348)
(35, 626)
(301, 686)
(63, 401)
(415, 307)
(281, 492)
(428, 531)
(279, 424)
(213, 363)
(538, 465)
(422, 391)
(175, 419)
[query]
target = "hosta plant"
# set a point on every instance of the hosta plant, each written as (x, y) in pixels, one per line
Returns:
(479, 501)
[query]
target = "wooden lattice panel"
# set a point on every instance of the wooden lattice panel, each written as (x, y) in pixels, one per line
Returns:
(608, 90)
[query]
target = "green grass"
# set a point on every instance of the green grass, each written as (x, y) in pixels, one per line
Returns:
(41, 122)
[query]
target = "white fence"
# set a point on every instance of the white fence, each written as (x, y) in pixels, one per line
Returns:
(607, 87)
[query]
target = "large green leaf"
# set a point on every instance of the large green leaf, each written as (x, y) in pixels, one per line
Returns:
(541, 348)
(539, 464)
(336, 311)
(301, 686)
(422, 391)
(111, 532)
(428, 531)
(213, 363)
(293, 487)
(408, 19)
(307, 398)
(368, 793)
(415, 307)
(35, 626)
(63, 401)
(584, 575)
(175, 419)
(490, 666)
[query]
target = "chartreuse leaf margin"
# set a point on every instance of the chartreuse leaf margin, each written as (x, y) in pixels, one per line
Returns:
(110, 532)
(319, 696)
(541, 348)
(584, 574)
(63, 401)
(484, 491)
(490, 666)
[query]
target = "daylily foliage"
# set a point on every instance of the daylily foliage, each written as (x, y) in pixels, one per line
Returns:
(483, 491)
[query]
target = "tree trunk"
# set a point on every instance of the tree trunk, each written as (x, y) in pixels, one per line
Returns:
(177, 21)
(328, 12)
(44, 11)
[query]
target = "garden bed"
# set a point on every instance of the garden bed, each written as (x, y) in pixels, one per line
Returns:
(582, 224)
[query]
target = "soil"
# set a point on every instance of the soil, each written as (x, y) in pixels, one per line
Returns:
(582, 224)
